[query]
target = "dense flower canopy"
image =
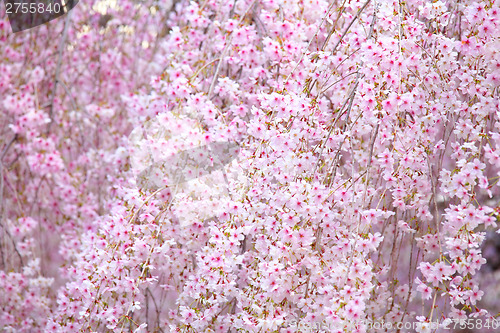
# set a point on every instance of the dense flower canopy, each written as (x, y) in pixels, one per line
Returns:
(251, 166)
